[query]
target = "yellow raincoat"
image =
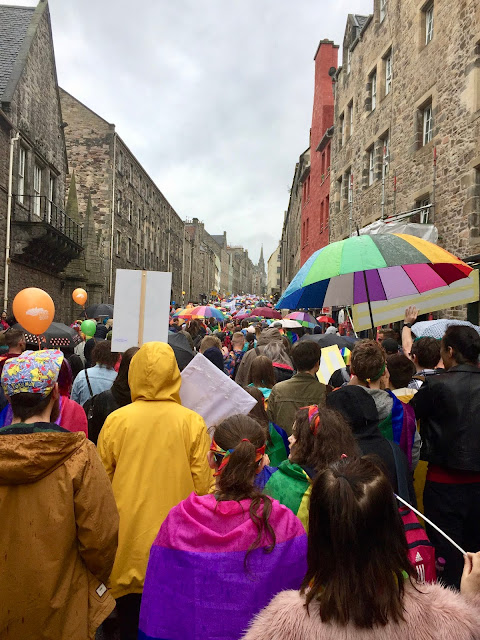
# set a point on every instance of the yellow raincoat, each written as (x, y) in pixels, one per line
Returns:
(155, 453)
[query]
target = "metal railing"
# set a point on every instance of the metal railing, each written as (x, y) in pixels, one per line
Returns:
(33, 208)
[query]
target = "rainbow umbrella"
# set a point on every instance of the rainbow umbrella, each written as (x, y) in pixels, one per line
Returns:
(181, 313)
(304, 318)
(370, 268)
(206, 312)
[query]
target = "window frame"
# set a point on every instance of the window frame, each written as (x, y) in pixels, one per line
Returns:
(348, 178)
(118, 240)
(22, 161)
(427, 124)
(350, 118)
(373, 90)
(371, 165)
(385, 155)
(342, 129)
(383, 10)
(429, 22)
(37, 189)
(388, 72)
(129, 249)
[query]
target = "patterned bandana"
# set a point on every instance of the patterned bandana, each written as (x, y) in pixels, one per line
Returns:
(313, 418)
(32, 372)
(225, 454)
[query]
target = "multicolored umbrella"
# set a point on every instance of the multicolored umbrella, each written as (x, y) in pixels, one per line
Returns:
(266, 312)
(206, 312)
(368, 268)
(305, 319)
(181, 313)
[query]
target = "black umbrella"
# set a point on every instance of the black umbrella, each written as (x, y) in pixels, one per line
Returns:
(97, 310)
(181, 348)
(328, 339)
(57, 335)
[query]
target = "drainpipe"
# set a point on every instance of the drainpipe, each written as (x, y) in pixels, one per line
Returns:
(112, 230)
(13, 139)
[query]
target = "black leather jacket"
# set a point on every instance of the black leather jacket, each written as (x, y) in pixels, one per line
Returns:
(448, 406)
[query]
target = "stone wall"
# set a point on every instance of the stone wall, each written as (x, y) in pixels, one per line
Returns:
(445, 73)
(291, 231)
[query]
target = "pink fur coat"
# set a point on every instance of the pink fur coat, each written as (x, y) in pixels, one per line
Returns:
(435, 614)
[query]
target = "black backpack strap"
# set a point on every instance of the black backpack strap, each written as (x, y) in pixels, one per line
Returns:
(88, 383)
(401, 477)
(257, 351)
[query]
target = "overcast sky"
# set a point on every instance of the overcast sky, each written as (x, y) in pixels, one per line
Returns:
(214, 97)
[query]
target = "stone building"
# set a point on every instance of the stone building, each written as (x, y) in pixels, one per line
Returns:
(290, 243)
(407, 120)
(45, 243)
(203, 274)
(259, 282)
(274, 273)
(135, 225)
(221, 242)
(316, 178)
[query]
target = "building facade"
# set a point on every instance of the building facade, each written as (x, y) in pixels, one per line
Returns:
(45, 243)
(274, 272)
(407, 120)
(316, 178)
(290, 243)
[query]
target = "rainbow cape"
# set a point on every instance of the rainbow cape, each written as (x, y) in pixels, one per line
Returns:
(400, 426)
(291, 485)
(197, 586)
(278, 448)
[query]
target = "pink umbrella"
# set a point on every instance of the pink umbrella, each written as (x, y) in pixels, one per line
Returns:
(266, 312)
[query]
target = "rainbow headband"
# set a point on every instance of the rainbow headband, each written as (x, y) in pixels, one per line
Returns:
(226, 453)
(313, 418)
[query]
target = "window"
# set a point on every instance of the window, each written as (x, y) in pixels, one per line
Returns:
(139, 218)
(429, 23)
(120, 162)
(388, 73)
(342, 130)
(373, 90)
(350, 119)
(424, 205)
(427, 124)
(340, 192)
(327, 211)
(145, 259)
(383, 10)
(130, 174)
(21, 174)
(119, 203)
(349, 60)
(37, 189)
(328, 157)
(349, 180)
(51, 196)
(139, 253)
(130, 207)
(322, 213)
(371, 165)
(386, 156)
(117, 243)
(129, 249)
(306, 239)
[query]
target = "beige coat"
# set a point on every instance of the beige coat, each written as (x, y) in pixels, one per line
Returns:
(58, 535)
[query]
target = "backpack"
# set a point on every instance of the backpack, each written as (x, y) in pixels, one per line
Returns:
(88, 405)
(421, 552)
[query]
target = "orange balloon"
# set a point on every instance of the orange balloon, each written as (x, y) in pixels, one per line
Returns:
(34, 310)
(79, 296)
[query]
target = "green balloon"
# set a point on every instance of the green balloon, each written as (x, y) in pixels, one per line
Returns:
(88, 327)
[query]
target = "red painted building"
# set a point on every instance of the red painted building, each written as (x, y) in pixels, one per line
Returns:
(316, 178)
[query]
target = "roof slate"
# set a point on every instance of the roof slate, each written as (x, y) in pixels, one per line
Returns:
(14, 22)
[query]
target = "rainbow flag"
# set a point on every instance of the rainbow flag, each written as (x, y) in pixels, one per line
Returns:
(291, 485)
(197, 585)
(400, 425)
(278, 448)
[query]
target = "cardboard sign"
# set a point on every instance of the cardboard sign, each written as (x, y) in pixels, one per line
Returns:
(211, 393)
(385, 311)
(142, 307)
(330, 361)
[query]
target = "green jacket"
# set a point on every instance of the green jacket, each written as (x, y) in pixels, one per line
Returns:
(289, 396)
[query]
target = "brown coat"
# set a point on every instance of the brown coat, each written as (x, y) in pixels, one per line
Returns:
(58, 534)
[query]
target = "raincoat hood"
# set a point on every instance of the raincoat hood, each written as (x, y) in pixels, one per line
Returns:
(357, 407)
(28, 457)
(154, 373)
(268, 335)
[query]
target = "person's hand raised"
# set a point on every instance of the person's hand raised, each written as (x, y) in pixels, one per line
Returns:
(411, 314)
(470, 583)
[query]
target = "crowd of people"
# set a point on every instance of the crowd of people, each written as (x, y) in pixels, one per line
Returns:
(123, 518)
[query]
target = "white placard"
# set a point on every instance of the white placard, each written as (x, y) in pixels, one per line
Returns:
(211, 393)
(136, 323)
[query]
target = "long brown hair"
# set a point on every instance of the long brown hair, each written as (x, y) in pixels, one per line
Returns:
(357, 549)
(237, 478)
(262, 373)
(333, 439)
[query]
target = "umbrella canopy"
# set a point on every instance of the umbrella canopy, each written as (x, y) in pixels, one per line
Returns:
(287, 323)
(437, 328)
(392, 265)
(97, 310)
(267, 312)
(181, 348)
(327, 340)
(305, 319)
(206, 312)
(56, 336)
(326, 319)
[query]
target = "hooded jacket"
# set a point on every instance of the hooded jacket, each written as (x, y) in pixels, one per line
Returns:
(431, 612)
(289, 396)
(58, 534)
(155, 453)
(267, 335)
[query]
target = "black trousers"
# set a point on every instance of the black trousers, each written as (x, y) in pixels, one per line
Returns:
(128, 609)
(455, 508)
